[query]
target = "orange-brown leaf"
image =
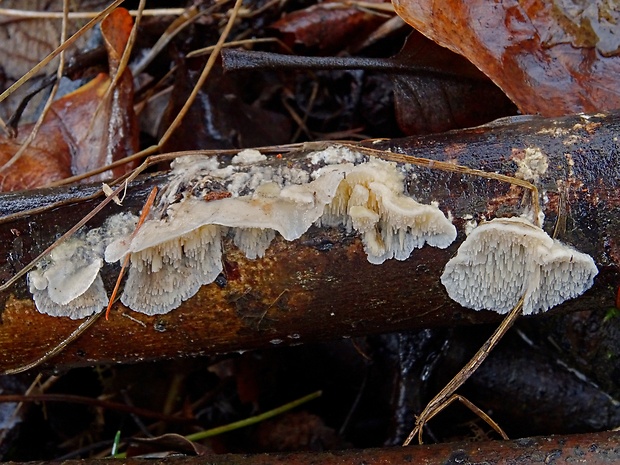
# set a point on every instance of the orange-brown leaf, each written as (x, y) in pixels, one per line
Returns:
(98, 132)
(115, 29)
(327, 27)
(517, 44)
(45, 161)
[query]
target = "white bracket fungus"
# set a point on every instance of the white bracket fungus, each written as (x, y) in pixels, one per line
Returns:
(370, 200)
(67, 282)
(508, 258)
(172, 256)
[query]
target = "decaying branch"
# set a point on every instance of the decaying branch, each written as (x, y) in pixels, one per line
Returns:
(594, 449)
(322, 286)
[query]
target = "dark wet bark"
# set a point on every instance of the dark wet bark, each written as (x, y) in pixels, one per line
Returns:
(321, 286)
(593, 449)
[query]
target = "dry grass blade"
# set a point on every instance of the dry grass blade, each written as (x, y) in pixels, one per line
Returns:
(57, 348)
(445, 396)
(235, 43)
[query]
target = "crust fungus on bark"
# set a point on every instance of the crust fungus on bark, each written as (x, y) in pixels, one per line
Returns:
(289, 294)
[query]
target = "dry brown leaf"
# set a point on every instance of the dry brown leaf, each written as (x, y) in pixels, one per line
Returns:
(83, 130)
(25, 41)
(463, 97)
(113, 134)
(530, 49)
(328, 26)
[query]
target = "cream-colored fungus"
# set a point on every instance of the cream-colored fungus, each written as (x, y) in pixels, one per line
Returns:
(67, 282)
(507, 258)
(367, 197)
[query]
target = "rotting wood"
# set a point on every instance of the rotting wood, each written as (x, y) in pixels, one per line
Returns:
(593, 449)
(321, 286)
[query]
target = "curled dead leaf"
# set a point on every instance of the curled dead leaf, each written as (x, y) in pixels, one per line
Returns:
(84, 130)
(528, 50)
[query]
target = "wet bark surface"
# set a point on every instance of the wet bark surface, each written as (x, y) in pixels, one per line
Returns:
(321, 286)
(594, 449)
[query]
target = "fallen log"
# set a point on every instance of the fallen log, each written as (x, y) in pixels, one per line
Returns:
(594, 449)
(321, 286)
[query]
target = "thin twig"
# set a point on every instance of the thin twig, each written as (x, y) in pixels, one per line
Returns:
(32, 14)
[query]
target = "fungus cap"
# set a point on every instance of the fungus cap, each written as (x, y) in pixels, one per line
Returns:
(507, 258)
(68, 283)
(161, 278)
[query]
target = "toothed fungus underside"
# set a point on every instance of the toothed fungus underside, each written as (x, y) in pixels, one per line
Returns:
(67, 282)
(507, 258)
(180, 250)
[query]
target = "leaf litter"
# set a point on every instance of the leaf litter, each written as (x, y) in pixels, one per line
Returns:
(313, 112)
